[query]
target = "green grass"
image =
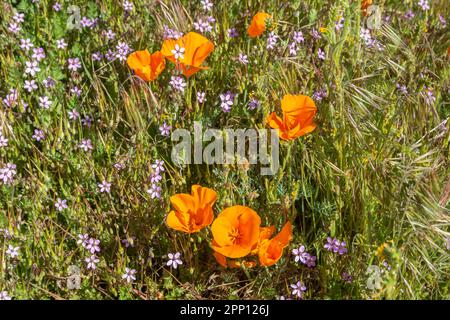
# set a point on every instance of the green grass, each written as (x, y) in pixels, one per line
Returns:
(375, 171)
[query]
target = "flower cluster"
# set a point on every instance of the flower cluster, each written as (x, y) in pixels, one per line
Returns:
(236, 231)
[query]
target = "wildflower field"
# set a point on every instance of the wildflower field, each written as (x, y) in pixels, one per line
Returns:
(95, 204)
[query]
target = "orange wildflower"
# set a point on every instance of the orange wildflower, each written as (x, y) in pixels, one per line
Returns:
(270, 251)
(192, 211)
(188, 52)
(258, 24)
(364, 5)
(146, 66)
(235, 231)
(298, 114)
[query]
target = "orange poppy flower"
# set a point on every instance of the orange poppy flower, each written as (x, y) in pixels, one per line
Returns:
(235, 231)
(364, 5)
(264, 233)
(188, 52)
(222, 260)
(258, 24)
(298, 114)
(146, 66)
(192, 211)
(270, 251)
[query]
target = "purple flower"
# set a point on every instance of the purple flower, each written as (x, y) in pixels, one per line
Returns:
(321, 54)
(91, 262)
(310, 261)
(12, 252)
(49, 82)
(271, 40)
(83, 239)
(30, 85)
(424, 5)
(128, 242)
(38, 135)
(206, 5)
(253, 104)
(93, 245)
(44, 102)
(339, 24)
(127, 6)
(38, 54)
(154, 191)
(202, 26)
(158, 166)
(129, 275)
(97, 56)
(402, 88)
(3, 141)
(298, 289)
(409, 15)
(13, 27)
(110, 55)
(7, 173)
(105, 186)
(336, 246)
(73, 64)
(11, 99)
(243, 58)
(25, 44)
(177, 83)
(226, 101)
(174, 260)
(171, 34)
(293, 49)
(57, 7)
(300, 254)
(442, 21)
(61, 204)
(428, 95)
(73, 115)
(86, 121)
(320, 94)
(298, 37)
(119, 166)
(346, 277)
(232, 33)
(331, 243)
(201, 97)
(76, 91)
(315, 34)
(122, 51)
(165, 129)
(32, 67)
(86, 145)
(18, 17)
(86, 22)
(61, 44)
(110, 35)
(155, 177)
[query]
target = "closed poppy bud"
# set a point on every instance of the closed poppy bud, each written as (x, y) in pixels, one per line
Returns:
(258, 24)
(235, 231)
(298, 117)
(188, 52)
(146, 66)
(192, 211)
(270, 251)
